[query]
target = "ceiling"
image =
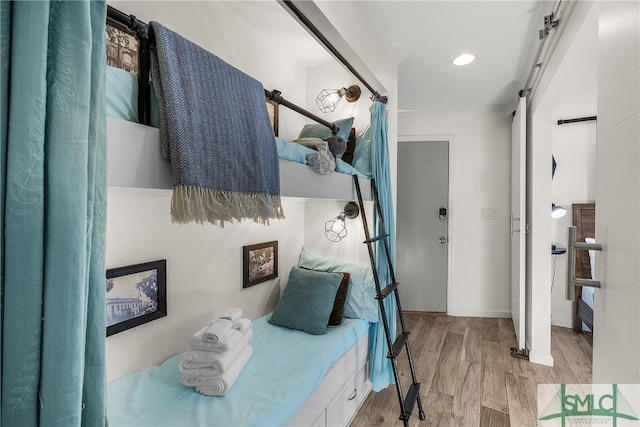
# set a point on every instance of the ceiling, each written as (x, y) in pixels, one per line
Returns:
(427, 35)
(503, 35)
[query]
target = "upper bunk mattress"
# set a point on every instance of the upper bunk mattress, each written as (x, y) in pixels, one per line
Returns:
(286, 367)
(134, 160)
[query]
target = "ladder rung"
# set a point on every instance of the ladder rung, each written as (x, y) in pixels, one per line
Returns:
(386, 291)
(398, 345)
(410, 400)
(376, 238)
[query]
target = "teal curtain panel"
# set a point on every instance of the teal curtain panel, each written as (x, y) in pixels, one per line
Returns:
(53, 209)
(381, 370)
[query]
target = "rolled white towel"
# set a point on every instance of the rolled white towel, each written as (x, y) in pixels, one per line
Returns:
(216, 330)
(232, 314)
(227, 341)
(219, 327)
(221, 384)
(241, 324)
(195, 359)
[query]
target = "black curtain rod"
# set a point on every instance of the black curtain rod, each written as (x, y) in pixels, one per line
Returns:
(321, 37)
(142, 30)
(578, 120)
(277, 98)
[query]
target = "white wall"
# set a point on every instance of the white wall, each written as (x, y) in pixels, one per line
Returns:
(574, 147)
(369, 47)
(223, 29)
(616, 339)
(479, 152)
(204, 271)
(204, 262)
(332, 75)
(351, 248)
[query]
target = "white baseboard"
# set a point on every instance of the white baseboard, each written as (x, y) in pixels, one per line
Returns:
(565, 323)
(479, 313)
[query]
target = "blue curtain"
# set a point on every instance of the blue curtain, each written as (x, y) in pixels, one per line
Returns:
(381, 371)
(53, 200)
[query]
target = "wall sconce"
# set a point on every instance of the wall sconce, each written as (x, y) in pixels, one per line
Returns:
(557, 211)
(328, 99)
(335, 229)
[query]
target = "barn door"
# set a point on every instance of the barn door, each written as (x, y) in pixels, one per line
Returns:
(518, 219)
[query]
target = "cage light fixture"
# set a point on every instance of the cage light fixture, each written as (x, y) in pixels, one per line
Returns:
(328, 99)
(335, 229)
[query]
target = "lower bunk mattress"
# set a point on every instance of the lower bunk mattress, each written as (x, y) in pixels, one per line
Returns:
(286, 367)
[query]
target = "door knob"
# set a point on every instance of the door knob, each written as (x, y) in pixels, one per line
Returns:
(442, 240)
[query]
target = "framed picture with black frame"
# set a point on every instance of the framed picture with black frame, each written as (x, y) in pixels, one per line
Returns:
(136, 294)
(260, 263)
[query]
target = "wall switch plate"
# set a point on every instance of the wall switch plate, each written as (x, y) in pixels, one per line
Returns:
(488, 213)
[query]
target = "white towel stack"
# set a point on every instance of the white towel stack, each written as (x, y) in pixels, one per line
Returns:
(219, 352)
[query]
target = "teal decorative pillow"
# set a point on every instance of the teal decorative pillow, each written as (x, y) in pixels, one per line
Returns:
(316, 130)
(307, 301)
(360, 302)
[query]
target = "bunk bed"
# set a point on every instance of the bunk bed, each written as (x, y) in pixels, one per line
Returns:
(293, 378)
(330, 380)
(134, 159)
(584, 215)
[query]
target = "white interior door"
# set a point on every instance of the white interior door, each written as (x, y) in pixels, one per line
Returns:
(422, 258)
(518, 219)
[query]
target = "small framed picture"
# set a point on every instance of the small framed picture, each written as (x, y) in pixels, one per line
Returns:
(260, 263)
(122, 47)
(136, 294)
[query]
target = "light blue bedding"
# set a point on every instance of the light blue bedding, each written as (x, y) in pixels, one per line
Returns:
(286, 367)
(122, 97)
(298, 153)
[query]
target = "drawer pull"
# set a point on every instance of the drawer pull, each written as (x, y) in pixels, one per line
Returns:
(353, 396)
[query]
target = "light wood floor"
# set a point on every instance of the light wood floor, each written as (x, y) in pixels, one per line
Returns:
(469, 378)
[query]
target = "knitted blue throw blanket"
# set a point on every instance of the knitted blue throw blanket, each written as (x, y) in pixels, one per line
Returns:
(215, 131)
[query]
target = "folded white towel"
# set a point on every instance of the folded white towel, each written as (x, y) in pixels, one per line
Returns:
(232, 314)
(219, 327)
(216, 330)
(229, 341)
(221, 384)
(195, 359)
(226, 343)
(241, 324)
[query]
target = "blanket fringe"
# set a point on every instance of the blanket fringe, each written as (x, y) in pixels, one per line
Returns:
(191, 203)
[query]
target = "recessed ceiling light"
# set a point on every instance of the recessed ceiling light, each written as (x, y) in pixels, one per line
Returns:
(464, 59)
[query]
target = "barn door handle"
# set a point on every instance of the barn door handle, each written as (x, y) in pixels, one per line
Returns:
(513, 229)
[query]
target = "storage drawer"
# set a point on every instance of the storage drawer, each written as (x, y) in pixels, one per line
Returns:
(342, 409)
